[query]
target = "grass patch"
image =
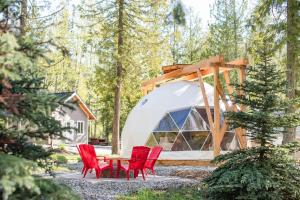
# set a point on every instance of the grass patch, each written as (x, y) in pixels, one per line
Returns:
(66, 157)
(183, 193)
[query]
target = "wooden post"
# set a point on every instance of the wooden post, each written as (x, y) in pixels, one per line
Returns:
(227, 81)
(242, 78)
(207, 107)
(217, 113)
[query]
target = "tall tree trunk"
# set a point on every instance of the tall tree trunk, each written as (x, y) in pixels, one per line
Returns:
(23, 16)
(291, 64)
(174, 43)
(235, 29)
(117, 103)
(190, 38)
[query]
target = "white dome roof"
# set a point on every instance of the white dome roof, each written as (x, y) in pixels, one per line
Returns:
(145, 116)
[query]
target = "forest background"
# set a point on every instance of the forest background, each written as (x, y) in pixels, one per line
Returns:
(109, 47)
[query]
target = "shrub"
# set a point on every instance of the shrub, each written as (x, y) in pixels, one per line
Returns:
(245, 176)
(62, 147)
(59, 159)
(17, 182)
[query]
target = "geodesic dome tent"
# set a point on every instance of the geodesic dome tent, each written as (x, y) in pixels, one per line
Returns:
(173, 116)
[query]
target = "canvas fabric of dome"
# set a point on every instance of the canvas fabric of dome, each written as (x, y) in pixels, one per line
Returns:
(162, 114)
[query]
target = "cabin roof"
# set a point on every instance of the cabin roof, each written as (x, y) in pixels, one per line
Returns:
(68, 96)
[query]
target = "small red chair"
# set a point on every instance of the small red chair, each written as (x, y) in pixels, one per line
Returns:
(92, 152)
(80, 148)
(92, 161)
(152, 158)
(136, 163)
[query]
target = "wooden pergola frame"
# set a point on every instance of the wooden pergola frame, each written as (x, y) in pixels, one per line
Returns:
(213, 66)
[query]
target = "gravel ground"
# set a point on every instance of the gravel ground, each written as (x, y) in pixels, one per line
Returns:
(159, 170)
(91, 188)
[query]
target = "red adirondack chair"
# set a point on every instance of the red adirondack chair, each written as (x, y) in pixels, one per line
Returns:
(92, 161)
(103, 158)
(80, 148)
(152, 158)
(136, 163)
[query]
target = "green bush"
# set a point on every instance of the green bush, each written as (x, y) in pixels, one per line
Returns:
(245, 176)
(60, 159)
(62, 147)
(17, 182)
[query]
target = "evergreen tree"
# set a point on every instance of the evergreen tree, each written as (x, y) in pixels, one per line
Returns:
(282, 16)
(176, 19)
(227, 31)
(121, 39)
(25, 109)
(193, 39)
(265, 171)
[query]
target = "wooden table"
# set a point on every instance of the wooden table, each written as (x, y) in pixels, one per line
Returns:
(112, 159)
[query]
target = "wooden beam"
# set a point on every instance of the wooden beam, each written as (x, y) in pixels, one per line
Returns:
(188, 69)
(223, 97)
(227, 81)
(238, 131)
(206, 103)
(242, 78)
(165, 162)
(163, 78)
(223, 131)
(217, 113)
(169, 68)
(238, 62)
(190, 77)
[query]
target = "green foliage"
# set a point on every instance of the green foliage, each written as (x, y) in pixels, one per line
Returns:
(265, 171)
(17, 182)
(144, 50)
(36, 153)
(227, 30)
(15, 174)
(62, 147)
(25, 113)
(53, 191)
(243, 175)
(60, 159)
(182, 193)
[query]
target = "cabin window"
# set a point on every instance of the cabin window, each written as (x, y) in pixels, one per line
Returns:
(70, 124)
(80, 127)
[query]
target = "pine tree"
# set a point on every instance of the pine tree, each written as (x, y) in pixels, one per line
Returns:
(193, 39)
(265, 171)
(283, 18)
(227, 30)
(119, 30)
(176, 19)
(25, 108)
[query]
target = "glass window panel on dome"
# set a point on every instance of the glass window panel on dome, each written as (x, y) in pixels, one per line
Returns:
(202, 112)
(195, 139)
(151, 142)
(208, 144)
(194, 122)
(180, 144)
(227, 142)
(165, 139)
(180, 116)
(166, 124)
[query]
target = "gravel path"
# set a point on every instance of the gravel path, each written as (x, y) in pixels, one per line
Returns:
(90, 188)
(107, 189)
